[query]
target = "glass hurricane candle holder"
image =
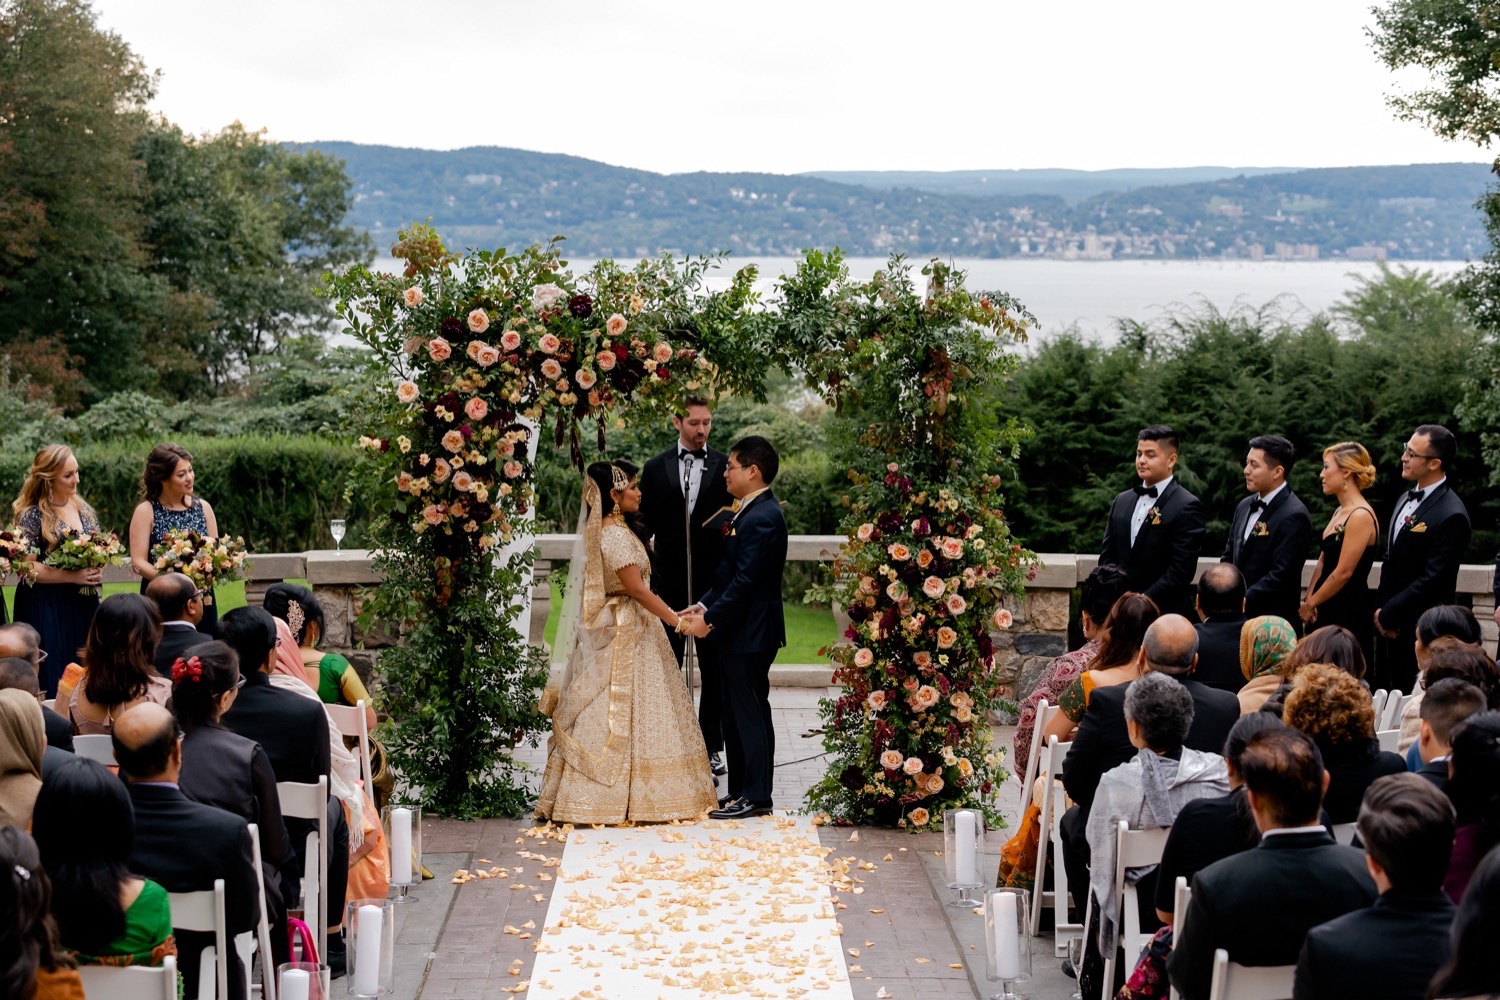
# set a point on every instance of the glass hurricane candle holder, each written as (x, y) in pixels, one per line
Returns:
(403, 832)
(1007, 940)
(963, 836)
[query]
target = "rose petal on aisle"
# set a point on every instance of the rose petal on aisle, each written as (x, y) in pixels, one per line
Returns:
(683, 911)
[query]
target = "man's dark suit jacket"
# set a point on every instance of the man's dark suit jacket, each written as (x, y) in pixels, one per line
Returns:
(1421, 563)
(58, 729)
(176, 639)
(1102, 742)
(183, 846)
(1390, 950)
(744, 606)
(661, 507)
(1164, 559)
(1259, 905)
(291, 729)
(1271, 562)
(1219, 653)
(1435, 772)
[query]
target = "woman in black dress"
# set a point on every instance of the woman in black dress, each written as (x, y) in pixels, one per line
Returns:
(1340, 590)
(47, 510)
(168, 504)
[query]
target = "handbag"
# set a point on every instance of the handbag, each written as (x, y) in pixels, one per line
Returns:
(297, 930)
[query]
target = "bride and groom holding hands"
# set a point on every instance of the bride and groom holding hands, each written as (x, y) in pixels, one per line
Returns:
(699, 531)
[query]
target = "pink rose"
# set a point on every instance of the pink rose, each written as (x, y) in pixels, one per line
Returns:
(544, 297)
(924, 559)
(910, 684)
(476, 408)
(867, 585)
(952, 548)
(512, 470)
(918, 817)
(551, 369)
(877, 700)
(441, 470)
(615, 325)
(892, 467)
(407, 392)
(922, 659)
(413, 297)
(549, 343)
(453, 441)
(403, 482)
(934, 784)
(439, 349)
(863, 657)
(463, 482)
(605, 360)
(899, 552)
(896, 591)
(963, 713)
(956, 604)
(661, 353)
(927, 696)
(433, 514)
(913, 765)
(891, 760)
(473, 349)
(510, 340)
(1001, 618)
(946, 637)
(934, 586)
(864, 531)
(487, 356)
(585, 378)
(479, 321)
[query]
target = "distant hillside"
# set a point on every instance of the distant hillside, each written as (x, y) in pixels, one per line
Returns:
(1070, 185)
(508, 197)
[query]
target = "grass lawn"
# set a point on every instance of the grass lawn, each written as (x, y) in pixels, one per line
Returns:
(808, 629)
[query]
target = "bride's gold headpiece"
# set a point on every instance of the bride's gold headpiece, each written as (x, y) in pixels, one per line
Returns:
(620, 479)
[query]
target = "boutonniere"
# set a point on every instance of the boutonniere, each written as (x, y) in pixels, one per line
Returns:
(727, 529)
(1260, 530)
(1155, 513)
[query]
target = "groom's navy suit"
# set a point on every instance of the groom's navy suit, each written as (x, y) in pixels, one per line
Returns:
(1271, 558)
(744, 608)
(1420, 571)
(1164, 558)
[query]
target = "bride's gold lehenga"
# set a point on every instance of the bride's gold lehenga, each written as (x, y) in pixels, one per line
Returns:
(625, 741)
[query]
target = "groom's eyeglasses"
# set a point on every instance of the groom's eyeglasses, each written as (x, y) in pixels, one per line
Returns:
(1406, 452)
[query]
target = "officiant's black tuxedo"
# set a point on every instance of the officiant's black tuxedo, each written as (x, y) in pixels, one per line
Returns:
(744, 608)
(1420, 571)
(1164, 558)
(662, 502)
(1271, 562)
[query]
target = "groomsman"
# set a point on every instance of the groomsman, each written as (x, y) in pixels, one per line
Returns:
(1271, 531)
(1155, 527)
(680, 490)
(1427, 536)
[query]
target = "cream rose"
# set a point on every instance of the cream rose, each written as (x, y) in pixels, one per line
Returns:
(615, 325)
(946, 637)
(952, 548)
(551, 369)
(512, 470)
(585, 378)
(898, 552)
(605, 360)
(463, 482)
(910, 684)
(922, 659)
(403, 482)
(479, 321)
(662, 352)
(544, 297)
(918, 817)
(476, 408)
(863, 657)
(956, 604)
(413, 297)
(864, 531)
(510, 340)
(487, 356)
(453, 441)
(439, 349)
(432, 514)
(877, 700)
(549, 343)
(924, 559)
(913, 765)
(1001, 618)
(965, 767)
(407, 392)
(934, 586)
(891, 760)
(441, 470)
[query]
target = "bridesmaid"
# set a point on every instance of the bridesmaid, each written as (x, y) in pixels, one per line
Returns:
(1339, 593)
(47, 510)
(168, 504)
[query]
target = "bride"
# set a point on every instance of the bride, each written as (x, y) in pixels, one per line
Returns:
(625, 741)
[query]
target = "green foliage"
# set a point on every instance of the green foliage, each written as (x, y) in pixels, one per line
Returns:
(1455, 42)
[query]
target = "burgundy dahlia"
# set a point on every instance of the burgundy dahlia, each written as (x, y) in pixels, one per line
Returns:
(581, 306)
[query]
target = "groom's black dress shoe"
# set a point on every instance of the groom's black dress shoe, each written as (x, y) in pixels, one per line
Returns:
(724, 800)
(741, 808)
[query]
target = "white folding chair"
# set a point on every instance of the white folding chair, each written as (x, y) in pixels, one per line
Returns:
(1181, 896)
(1232, 981)
(96, 747)
(1044, 714)
(1343, 833)
(1133, 849)
(133, 982)
(1377, 702)
(247, 943)
(1392, 715)
(50, 703)
(204, 911)
(1051, 836)
(305, 801)
(352, 722)
(1390, 739)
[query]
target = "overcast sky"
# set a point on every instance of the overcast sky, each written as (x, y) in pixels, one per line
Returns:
(792, 86)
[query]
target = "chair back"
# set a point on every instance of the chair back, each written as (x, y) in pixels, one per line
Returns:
(50, 703)
(1044, 714)
(310, 801)
(1050, 839)
(204, 911)
(1133, 849)
(1181, 896)
(134, 982)
(1377, 702)
(1400, 707)
(97, 747)
(1392, 714)
(1390, 739)
(247, 942)
(1232, 981)
(1344, 833)
(352, 722)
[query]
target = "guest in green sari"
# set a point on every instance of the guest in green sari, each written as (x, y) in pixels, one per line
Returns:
(329, 674)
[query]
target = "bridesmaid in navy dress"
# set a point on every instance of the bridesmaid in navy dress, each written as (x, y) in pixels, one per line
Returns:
(1339, 593)
(169, 504)
(47, 511)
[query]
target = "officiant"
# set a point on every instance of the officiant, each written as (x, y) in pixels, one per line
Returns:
(682, 488)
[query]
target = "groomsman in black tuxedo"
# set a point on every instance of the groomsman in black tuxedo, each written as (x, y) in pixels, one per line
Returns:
(1425, 543)
(1155, 527)
(1271, 531)
(683, 486)
(744, 610)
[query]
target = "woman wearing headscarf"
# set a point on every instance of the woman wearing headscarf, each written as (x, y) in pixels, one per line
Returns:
(22, 742)
(1265, 643)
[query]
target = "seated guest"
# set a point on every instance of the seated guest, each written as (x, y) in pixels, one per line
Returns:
(21, 747)
(31, 966)
(1392, 948)
(224, 769)
(1474, 789)
(106, 914)
(1448, 702)
(1148, 791)
(1118, 662)
(1221, 606)
(1332, 644)
(17, 674)
(182, 844)
(180, 602)
(22, 641)
(117, 664)
(1471, 970)
(1266, 643)
(1335, 710)
(332, 676)
(1259, 904)
(1457, 627)
(1097, 594)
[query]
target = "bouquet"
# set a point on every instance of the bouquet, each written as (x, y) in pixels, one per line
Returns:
(16, 552)
(204, 560)
(89, 550)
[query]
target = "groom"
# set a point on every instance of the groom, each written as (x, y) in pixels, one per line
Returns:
(744, 610)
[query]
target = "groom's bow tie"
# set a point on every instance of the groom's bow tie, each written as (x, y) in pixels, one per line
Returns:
(700, 454)
(1145, 491)
(1416, 495)
(1257, 504)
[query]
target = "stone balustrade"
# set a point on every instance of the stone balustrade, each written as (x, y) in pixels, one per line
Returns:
(1039, 631)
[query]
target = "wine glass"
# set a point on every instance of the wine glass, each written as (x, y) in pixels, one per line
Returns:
(1075, 958)
(336, 529)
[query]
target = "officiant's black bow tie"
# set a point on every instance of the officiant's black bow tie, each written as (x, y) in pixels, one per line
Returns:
(1257, 504)
(1416, 495)
(1145, 491)
(700, 454)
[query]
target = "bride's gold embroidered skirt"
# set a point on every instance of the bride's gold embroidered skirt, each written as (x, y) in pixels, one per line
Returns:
(625, 743)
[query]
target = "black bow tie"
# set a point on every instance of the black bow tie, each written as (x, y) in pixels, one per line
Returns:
(1145, 491)
(700, 454)
(1257, 504)
(1416, 495)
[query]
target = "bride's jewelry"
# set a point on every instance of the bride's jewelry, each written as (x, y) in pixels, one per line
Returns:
(619, 478)
(616, 517)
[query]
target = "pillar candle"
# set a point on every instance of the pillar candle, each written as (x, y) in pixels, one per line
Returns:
(1007, 943)
(966, 867)
(295, 985)
(401, 846)
(367, 950)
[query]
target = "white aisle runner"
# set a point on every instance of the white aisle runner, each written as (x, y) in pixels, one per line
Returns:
(701, 909)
